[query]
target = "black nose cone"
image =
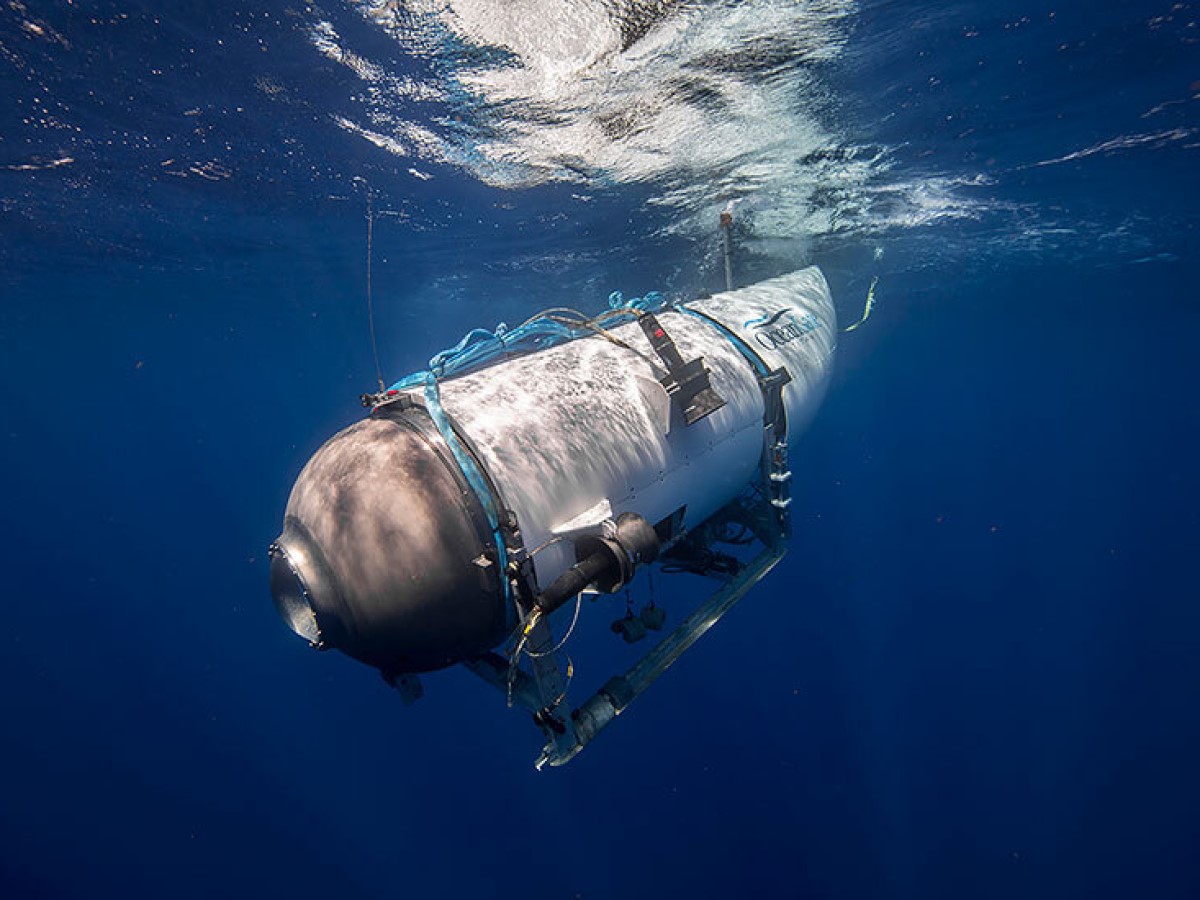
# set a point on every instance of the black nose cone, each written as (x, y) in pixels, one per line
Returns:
(385, 552)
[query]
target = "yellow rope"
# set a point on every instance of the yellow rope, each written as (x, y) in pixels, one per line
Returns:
(867, 309)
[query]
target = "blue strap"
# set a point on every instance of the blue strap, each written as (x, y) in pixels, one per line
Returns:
(479, 348)
(466, 463)
(741, 346)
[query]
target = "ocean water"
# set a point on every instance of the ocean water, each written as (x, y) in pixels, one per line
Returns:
(975, 675)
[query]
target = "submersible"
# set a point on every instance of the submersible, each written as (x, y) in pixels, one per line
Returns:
(526, 466)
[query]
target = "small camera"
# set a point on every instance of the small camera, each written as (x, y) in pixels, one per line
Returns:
(653, 617)
(630, 628)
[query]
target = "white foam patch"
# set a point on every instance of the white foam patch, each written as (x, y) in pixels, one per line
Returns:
(383, 141)
(695, 93)
(603, 92)
(1124, 142)
(383, 86)
(704, 103)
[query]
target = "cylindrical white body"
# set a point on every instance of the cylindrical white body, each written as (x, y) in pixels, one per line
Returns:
(565, 430)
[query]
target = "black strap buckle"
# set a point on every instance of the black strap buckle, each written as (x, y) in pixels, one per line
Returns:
(687, 383)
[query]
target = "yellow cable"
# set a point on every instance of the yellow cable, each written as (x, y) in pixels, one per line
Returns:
(867, 309)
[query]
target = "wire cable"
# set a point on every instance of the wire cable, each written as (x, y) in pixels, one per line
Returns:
(538, 654)
(370, 303)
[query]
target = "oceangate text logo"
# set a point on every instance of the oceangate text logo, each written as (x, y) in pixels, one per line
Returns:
(775, 330)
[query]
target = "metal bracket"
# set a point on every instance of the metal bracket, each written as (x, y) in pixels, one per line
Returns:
(544, 691)
(687, 383)
(386, 397)
(619, 692)
(777, 474)
(553, 712)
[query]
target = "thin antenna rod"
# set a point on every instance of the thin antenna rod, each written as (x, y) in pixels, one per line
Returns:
(370, 305)
(727, 244)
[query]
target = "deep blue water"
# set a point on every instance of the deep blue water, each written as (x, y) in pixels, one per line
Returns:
(977, 672)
